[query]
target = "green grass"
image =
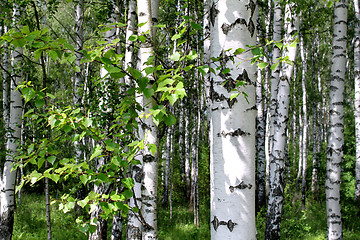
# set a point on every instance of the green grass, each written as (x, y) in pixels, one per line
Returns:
(297, 224)
(181, 226)
(30, 221)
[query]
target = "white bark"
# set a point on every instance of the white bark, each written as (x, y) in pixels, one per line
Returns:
(336, 124)
(278, 151)
(7, 194)
(357, 96)
(150, 161)
(305, 122)
(129, 48)
(232, 124)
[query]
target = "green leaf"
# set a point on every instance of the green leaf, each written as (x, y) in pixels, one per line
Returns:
(39, 103)
(203, 70)
(55, 177)
(176, 36)
(133, 38)
(28, 93)
(279, 44)
(148, 92)
(192, 55)
(234, 95)
(30, 148)
(170, 120)
(152, 147)
(96, 152)
(83, 202)
(87, 122)
(262, 65)
(294, 43)
(51, 159)
(37, 54)
(239, 51)
(195, 26)
(175, 57)
(226, 70)
(128, 193)
(84, 178)
(53, 54)
(160, 26)
(128, 182)
(274, 66)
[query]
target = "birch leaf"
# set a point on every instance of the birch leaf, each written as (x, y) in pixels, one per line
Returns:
(97, 151)
(175, 57)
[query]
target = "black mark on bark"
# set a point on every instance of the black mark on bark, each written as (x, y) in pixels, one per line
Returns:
(240, 186)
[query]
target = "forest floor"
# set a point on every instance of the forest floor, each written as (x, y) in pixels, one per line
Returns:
(310, 224)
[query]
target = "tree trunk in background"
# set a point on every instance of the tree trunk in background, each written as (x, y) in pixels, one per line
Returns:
(7, 194)
(357, 96)
(187, 149)
(133, 228)
(305, 121)
(6, 88)
(316, 106)
(267, 102)
(232, 123)
(110, 35)
(336, 124)
(260, 134)
(129, 48)
(79, 38)
(278, 154)
(150, 161)
(167, 160)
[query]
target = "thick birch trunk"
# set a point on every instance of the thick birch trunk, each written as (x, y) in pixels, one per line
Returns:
(357, 97)
(232, 124)
(278, 152)
(7, 194)
(336, 124)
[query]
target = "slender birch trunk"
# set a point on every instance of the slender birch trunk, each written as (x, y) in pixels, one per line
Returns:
(133, 228)
(150, 161)
(316, 105)
(357, 97)
(260, 134)
(278, 151)
(165, 201)
(232, 123)
(336, 124)
(8, 178)
(305, 121)
(267, 102)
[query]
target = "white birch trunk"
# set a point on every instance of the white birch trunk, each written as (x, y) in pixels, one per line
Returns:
(129, 48)
(357, 97)
(150, 161)
(232, 124)
(7, 194)
(305, 124)
(278, 151)
(336, 124)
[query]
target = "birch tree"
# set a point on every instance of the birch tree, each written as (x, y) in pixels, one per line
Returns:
(148, 128)
(8, 178)
(336, 124)
(357, 96)
(277, 163)
(232, 122)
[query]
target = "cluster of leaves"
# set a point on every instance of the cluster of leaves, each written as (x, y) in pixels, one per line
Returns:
(77, 126)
